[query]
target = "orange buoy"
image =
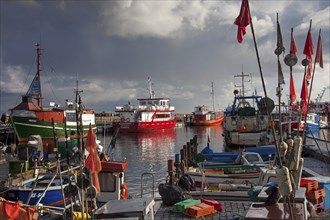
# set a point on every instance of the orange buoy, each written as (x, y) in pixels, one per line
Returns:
(123, 191)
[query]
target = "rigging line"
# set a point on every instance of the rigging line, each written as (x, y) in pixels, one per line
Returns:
(26, 79)
(52, 90)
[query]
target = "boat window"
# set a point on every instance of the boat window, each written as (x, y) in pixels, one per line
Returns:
(23, 113)
(107, 182)
(252, 158)
(71, 117)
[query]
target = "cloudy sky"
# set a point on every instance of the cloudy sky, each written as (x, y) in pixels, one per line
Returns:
(112, 47)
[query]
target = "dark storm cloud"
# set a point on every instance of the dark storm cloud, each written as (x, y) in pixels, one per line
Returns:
(111, 47)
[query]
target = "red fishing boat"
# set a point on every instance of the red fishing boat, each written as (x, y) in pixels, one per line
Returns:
(203, 116)
(149, 115)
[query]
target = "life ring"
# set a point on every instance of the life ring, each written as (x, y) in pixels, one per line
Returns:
(243, 128)
(123, 191)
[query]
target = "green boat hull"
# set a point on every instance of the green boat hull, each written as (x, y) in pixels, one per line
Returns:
(26, 126)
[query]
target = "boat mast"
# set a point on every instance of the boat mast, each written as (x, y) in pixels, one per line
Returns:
(242, 85)
(212, 85)
(151, 93)
(39, 98)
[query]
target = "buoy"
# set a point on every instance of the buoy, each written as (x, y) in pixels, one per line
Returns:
(123, 191)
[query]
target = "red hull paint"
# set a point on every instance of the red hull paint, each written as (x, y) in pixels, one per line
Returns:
(144, 126)
(217, 121)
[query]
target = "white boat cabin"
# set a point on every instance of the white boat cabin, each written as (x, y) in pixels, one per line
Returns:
(148, 110)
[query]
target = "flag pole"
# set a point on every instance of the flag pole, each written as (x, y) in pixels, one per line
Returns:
(279, 51)
(301, 103)
(264, 87)
(311, 85)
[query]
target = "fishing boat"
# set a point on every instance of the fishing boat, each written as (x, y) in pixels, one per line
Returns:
(203, 116)
(46, 190)
(244, 124)
(244, 170)
(150, 114)
(266, 153)
(29, 118)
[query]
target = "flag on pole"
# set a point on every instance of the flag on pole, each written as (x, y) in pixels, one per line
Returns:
(293, 50)
(309, 51)
(280, 48)
(304, 97)
(318, 55)
(293, 47)
(242, 20)
(93, 160)
(293, 95)
(280, 73)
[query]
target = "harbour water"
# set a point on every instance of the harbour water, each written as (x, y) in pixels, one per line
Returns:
(149, 152)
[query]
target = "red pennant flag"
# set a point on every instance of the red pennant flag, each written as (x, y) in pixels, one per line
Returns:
(93, 160)
(319, 56)
(242, 20)
(309, 51)
(304, 96)
(293, 95)
(309, 46)
(293, 47)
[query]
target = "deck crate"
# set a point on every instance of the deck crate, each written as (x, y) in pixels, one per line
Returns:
(309, 184)
(316, 196)
(217, 205)
(181, 206)
(327, 197)
(200, 210)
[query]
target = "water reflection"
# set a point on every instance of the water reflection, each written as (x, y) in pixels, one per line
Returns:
(149, 152)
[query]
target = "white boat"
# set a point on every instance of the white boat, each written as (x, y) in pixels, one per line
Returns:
(149, 115)
(243, 124)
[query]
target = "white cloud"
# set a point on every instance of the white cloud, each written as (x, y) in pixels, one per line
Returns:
(140, 18)
(12, 80)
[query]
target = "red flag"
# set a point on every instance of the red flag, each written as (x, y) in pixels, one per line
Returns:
(309, 51)
(293, 95)
(319, 56)
(242, 20)
(304, 96)
(93, 160)
(293, 47)
(309, 47)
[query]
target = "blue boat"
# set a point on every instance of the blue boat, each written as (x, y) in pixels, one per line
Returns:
(45, 190)
(266, 152)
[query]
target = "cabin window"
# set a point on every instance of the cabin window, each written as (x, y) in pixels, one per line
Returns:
(252, 158)
(107, 182)
(162, 116)
(71, 117)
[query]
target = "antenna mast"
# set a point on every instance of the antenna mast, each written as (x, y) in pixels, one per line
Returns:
(151, 93)
(242, 75)
(212, 86)
(39, 98)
